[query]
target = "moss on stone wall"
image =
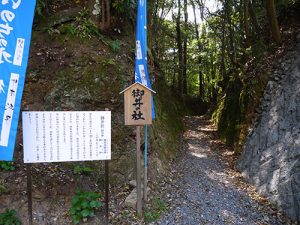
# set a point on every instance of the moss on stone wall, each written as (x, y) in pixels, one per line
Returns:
(237, 108)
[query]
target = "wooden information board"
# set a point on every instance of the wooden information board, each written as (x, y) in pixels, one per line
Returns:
(66, 136)
(137, 105)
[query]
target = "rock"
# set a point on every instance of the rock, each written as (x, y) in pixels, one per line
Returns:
(66, 15)
(270, 157)
(132, 183)
(39, 195)
(298, 38)
(4, 176)
(131, 199)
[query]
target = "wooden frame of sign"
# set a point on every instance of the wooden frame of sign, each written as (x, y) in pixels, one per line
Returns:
(137, 105)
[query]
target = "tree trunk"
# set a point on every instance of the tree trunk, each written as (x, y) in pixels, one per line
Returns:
(271, 11)
(201, 7)
(246, 23)
(214, 91)
(201, 88)
(179, 46)
(222, 66)
(174, 68)
(228, 9)
(184, 72)
(156, 42)
(105, 15)
(253, 17)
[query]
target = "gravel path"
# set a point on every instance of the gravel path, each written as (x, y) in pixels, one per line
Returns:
(206, 190)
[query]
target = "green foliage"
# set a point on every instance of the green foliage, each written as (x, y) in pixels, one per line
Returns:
(3, 189)
(101, 181)
(83, 26)
(115, 45)
(109, 62)
(7, 166)
(158, 204)
(158, 207)
(9, 218)
(84, 205)
(125, 8)
(82, 169)
(224, 56)
(151, 216)
(50, 30)
(168, 125)
(228, 116)
(257, 51)
(71, 29)
(41, 5)
(283, 4)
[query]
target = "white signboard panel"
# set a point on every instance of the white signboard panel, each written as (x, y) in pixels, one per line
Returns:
(66, 136)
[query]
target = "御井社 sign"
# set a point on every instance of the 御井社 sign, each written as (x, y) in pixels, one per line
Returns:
(16, 18)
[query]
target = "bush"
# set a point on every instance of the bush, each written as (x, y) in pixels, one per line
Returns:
(84, 205)
(9, 218)
(8, 166)
(158, 207)
(85, 28)
(82, 170)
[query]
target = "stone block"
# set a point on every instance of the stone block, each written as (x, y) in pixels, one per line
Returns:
(131, 199)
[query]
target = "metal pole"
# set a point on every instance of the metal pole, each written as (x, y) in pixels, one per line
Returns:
(106, 191)
(29, 193)
(145, 162)
(106, 188)
(138, 172)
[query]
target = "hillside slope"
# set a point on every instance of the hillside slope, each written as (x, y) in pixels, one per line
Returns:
(74, 67)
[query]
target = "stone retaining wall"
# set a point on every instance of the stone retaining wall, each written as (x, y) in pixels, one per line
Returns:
(271, 155)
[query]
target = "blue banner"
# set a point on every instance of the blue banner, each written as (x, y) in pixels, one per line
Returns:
(16, 18)
(141, 68)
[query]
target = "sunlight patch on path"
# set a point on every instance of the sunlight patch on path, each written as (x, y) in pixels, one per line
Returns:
(199, 155)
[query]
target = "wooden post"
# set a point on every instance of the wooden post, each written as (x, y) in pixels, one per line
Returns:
(106, 188)
(106, 192)
(29, 193)
(145, 183)
(146, 163)
(138, 172)
(138, 112)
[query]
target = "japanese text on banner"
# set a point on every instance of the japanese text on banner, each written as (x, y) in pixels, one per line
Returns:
(16, 18)
(141, 68)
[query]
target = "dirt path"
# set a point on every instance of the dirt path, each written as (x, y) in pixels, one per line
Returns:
(207, 190)
(201, 188)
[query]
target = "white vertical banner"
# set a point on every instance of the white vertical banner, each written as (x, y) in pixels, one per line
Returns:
(9, 109)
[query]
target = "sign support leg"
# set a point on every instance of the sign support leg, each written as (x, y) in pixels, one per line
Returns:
(106, 192)
(146, 163)
(138, 172)
(29, 193)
